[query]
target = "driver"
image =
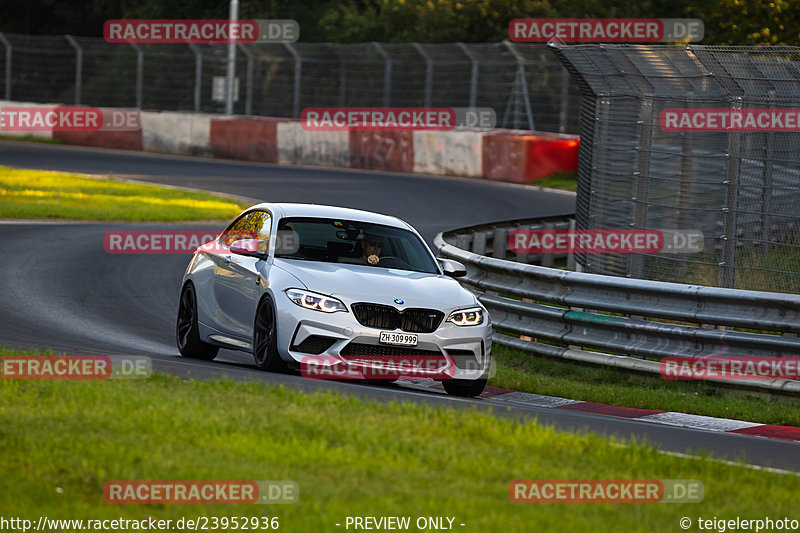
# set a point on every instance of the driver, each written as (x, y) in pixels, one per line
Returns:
(371, 248)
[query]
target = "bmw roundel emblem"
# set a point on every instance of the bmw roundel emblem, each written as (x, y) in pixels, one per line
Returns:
(398, 301)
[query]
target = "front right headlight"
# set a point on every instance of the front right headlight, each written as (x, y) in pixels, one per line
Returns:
(315, 301)
(472, 316)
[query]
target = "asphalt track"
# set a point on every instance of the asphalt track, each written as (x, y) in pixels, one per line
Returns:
(60, 289)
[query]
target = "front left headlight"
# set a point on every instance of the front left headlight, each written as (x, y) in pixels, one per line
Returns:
(315, 301)
(467, 317)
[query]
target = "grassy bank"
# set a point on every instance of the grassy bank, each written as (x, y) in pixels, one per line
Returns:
(518, 370)
(36, 194)
(64, 439)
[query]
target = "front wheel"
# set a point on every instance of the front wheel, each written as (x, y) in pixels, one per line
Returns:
(186, 330)
(265, 338)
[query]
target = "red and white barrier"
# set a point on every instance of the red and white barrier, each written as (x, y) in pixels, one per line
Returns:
(502, 155)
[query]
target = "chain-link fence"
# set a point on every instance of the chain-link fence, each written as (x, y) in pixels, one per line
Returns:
(524, 83)
(741, 189)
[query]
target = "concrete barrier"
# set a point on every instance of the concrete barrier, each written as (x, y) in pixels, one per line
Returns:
(36, 134)
(451, 153)
(297, 146)
(248, 139)
(176, 133)
(382, 150)
(524, 158)
(502, 155)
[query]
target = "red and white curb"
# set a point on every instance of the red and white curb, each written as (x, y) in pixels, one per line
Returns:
(670, 418)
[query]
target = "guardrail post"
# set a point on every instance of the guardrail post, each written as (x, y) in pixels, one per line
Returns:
(139, 73)
(7, 45)
(298, 73)
(248, 102)
(473, 75)
(428, 72)
(78, 67)
(499, 243)
(387, 73)
(198, 75)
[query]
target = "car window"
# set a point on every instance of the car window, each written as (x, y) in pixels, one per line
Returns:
(252, 225)
(355, 242)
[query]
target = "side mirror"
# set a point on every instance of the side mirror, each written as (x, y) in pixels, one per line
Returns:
(451, 268)
(248, 247)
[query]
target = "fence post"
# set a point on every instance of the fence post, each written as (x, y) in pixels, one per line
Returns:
(766, 189)
(78, 67)
(730, 210)
(7, 45)
(342, 74)
(387, 73)
(139, 73)
(520, 78)
(473, 75)
(248, 103)
(428, 72)
(198, 75)
(642, 183)
(298, 74)
(562, 112)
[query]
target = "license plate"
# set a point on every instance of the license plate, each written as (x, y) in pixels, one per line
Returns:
(400, 339)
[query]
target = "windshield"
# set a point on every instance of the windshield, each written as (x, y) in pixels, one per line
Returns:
(359, 243)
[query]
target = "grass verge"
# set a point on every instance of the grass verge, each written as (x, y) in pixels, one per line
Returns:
(41, 194)
(521, 371)
(64, 439)
(560, 180)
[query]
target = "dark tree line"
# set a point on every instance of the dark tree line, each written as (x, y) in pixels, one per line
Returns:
(735, 22)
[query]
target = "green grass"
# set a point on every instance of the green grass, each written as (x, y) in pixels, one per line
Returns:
(36, 194)
(560, 180)
(63, 440)
(522, 371)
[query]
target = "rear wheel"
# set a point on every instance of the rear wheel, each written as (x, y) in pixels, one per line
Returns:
(265, 338)
(186, 329)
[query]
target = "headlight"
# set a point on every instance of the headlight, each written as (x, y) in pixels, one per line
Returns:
(467, 317)
(315, 301)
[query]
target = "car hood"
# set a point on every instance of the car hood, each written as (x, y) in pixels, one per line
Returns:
(379, 285)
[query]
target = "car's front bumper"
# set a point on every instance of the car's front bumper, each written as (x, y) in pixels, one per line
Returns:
(313, 341)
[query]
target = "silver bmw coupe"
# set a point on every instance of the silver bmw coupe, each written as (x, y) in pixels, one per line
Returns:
(337, 293)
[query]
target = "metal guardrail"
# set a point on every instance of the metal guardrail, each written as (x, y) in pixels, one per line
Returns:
(571, 315)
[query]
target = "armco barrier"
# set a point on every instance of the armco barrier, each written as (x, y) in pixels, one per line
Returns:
(571, 315)
(382, 150)
(246, 139)
(176, 133)
(297, 146)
